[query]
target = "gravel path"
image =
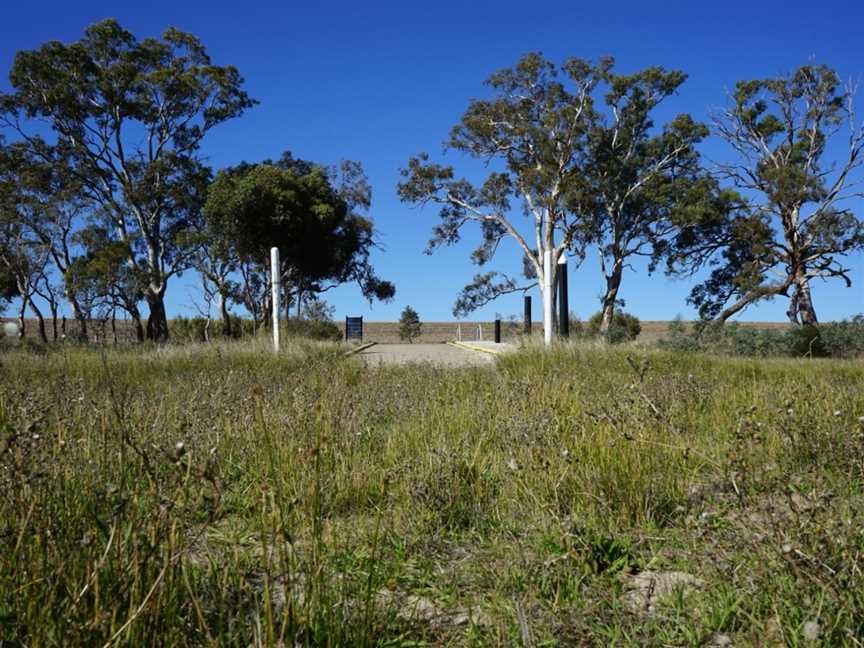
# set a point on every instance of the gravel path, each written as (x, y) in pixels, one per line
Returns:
(438, 354)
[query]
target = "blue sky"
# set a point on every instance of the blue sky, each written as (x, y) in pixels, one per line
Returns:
(381, 81)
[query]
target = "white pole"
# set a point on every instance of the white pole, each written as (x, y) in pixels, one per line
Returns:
(548, 297)
(275, 283)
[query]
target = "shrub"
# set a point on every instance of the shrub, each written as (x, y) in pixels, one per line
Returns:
(313, 329)
(624, 327)
(843, 339)
(409, 324)
(833, 340)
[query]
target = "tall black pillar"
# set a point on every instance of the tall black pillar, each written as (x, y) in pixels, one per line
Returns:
(527, 316)
(563, 306)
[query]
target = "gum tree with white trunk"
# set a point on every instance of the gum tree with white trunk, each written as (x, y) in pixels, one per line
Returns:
(533, 133)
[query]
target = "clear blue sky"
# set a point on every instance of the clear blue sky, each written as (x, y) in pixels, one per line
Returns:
(379, 82)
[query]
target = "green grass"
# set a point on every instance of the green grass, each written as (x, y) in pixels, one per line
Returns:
(317, 502)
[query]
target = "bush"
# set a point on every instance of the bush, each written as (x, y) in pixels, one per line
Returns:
(313, 329)
(624, 327)
(843, 339)
(833, 340)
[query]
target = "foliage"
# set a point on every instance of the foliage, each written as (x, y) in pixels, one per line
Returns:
(312, 214)
(409, 324)
(313, 329)
(534, 129)
(796, 221)
(317, 310)
(101, 277)
(623, 328)
(129, 116)
(834, 339)
(8, 285)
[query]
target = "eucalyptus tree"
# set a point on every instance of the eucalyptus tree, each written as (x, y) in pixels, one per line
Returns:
(23, 258)
(314, 215)
(130, 117)
(23, 261)
(533, 133)
(49, 206)
(216, 262)
(797, 152)
(8, 285)
(101, 278)
(637, 180)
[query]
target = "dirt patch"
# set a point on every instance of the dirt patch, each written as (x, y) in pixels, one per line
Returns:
(443, 355)
(414, 608)
(645, 589)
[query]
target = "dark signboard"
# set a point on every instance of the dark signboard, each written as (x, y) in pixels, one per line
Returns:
(353, 328)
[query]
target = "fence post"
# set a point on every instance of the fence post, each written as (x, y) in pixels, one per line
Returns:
(497, 331)
(526, 317)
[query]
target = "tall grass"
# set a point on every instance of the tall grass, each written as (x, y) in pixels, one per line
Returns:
(226, 496)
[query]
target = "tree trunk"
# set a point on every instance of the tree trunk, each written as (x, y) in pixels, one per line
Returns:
(792, 311)
(78, 315)
(613, 284)
(114, 326)
(54, 321)
(299, 303)
(139, 329)
(157, 321)
(806, 310)
(136, 319)
(226, 318)
(21, 320)
(41, 320)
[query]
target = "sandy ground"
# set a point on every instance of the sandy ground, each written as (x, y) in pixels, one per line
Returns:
(443, 355)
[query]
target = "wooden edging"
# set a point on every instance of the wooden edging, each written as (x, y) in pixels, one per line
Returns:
(360, 348)
(472, 347)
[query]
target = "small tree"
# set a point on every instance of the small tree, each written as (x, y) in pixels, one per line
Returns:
(409, 325)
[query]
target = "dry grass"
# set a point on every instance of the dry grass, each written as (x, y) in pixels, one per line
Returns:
(224, 496)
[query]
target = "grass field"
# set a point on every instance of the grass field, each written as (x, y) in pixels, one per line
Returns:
(587, 496)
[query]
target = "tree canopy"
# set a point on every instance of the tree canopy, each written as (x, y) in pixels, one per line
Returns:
(797, 148)
(129, 117)
(533, 132)
(582, 175)
(311, 213)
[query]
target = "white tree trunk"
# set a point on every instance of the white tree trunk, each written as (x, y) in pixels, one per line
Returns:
(548, 297)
